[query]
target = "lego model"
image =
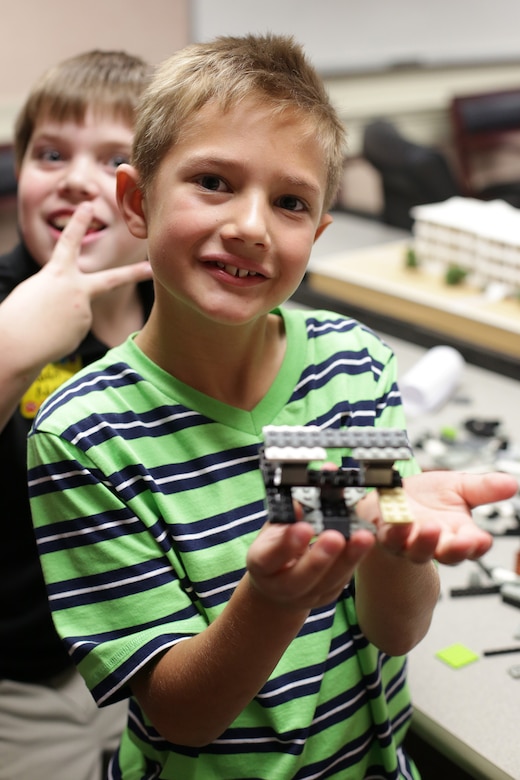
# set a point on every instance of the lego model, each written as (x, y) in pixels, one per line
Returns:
(328, 496)
(470, 239)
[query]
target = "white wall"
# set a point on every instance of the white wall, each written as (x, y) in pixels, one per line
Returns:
(342, 35)
(35, 34)
(404, 60)
(352, 42)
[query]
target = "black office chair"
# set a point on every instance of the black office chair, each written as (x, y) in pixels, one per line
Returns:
(411, 174)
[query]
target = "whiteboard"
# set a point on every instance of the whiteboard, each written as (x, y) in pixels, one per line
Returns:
(345, 35)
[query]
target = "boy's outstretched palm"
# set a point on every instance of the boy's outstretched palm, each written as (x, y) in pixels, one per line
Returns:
(290, 568)
(442, 502)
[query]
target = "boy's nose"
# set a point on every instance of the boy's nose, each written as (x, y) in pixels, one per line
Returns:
(248, 221)
(79, 180)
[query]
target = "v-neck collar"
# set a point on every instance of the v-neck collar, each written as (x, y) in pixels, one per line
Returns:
(267, 408)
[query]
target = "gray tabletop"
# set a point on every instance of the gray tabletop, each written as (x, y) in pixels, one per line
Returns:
(471, 713)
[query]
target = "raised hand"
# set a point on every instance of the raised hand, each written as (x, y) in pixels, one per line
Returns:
(50, 313)
(46, 317)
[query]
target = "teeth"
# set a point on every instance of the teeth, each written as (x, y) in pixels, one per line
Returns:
(234, 271)
(61, 222)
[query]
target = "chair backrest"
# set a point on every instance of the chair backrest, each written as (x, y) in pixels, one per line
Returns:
(411, 173)
(482, 122)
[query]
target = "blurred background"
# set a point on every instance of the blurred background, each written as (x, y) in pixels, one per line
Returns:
(401, 62)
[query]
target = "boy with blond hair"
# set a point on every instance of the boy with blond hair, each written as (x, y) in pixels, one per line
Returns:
(77, 284)
(248, 649)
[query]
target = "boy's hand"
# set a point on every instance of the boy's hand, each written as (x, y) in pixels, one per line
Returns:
(49, 314)
(441, 503)
(292, 572)
(66, 293)
(66, 252)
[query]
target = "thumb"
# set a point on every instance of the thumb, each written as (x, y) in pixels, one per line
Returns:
(103, 281)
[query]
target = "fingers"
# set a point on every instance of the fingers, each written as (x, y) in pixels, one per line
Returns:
(103, 281)
(453, 489)
(289, 570)
(278, 547)
(68, 246)
(469, 543)
(68, 249)
(417, 543)
(447, 545)
(330, 564)
(479, 489)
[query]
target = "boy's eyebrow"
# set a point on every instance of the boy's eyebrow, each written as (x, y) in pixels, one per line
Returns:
(46, 134)
(296, 181)
(55, 135)
(209, 161)
(55, 129)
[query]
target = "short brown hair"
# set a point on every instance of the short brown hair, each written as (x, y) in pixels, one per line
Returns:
(111, 80)
(228, 70)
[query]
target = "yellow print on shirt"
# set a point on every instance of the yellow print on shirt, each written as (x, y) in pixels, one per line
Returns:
(51, 377)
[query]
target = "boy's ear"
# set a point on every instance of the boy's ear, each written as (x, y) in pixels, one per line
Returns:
(325, 221)
(130, 200)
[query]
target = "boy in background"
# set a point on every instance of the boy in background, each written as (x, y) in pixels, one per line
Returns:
(249, 649)
(77, 284)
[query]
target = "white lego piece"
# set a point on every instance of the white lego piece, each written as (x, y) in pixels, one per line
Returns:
(394, 506)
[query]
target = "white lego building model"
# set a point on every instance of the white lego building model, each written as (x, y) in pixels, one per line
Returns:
(479, 238)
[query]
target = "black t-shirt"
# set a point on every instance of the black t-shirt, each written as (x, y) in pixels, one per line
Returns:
(30, 649)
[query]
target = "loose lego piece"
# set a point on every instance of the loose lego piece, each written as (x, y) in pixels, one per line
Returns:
(328, 497)
(394, 506)
(457, 655)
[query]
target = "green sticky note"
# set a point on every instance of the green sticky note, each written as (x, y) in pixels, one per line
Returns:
(457, 655)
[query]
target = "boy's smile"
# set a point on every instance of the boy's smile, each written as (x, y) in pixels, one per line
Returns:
(67, 163)
(233, 211)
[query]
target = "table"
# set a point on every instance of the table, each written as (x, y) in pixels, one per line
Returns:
(358, 269)
(471, 714)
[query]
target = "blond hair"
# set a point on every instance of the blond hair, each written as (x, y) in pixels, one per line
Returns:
(227, 70)
(99, 80)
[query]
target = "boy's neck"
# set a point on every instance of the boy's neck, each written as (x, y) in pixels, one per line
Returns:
(117, 314)
(233, 364)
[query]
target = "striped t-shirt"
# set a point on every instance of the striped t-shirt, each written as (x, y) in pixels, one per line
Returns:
(146, 495)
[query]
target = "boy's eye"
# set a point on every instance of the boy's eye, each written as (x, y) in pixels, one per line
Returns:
(212, 182)
(49, 155)
(118, 159)
(291, 203)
